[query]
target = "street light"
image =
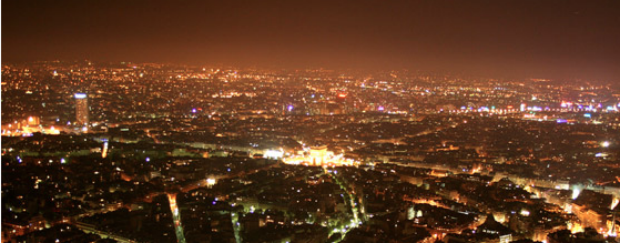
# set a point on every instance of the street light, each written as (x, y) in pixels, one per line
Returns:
(605, 144)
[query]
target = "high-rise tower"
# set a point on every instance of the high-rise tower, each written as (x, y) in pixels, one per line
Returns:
(81, 109)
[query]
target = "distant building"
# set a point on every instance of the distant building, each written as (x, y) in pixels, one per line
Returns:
(81, 109)
(318, 154)
(491, 226)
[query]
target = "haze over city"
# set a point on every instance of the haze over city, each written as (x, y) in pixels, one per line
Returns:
(535, 39)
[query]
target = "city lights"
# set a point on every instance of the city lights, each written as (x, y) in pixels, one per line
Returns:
(605, 144)
(310, 121)
(211, 182)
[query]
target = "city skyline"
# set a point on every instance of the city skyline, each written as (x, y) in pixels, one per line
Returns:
(434, 121)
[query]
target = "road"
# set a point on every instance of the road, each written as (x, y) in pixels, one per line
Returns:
(106, 235)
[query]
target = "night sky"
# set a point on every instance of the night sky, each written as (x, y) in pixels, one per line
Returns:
(554, 39)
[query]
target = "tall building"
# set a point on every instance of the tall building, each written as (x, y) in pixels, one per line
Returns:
(81, 109)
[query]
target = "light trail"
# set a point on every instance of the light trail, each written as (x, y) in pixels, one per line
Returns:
(176, 216)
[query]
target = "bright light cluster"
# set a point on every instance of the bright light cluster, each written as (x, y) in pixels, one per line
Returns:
(320, 157)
